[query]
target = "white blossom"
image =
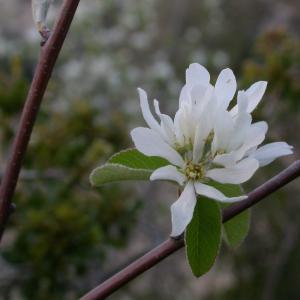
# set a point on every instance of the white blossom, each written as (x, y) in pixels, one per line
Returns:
(206, 142)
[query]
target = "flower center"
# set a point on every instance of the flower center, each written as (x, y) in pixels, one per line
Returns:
(194, 171)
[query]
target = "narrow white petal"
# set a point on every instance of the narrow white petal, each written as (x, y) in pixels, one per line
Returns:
(256, 134)
(211, 192)
(261, 125)
(226, 159)
(201, 133)
(167, 126)
(254, 137)
(223, 131)
(168, 173)
(225, 87)
(185, 96)
(269, 152)
(150, 120)
(255, 93)
(186, 124)
(234, 111)
(196, 74)
(198, 93)
(151, 143)
(242, 126)
(242, 102)
(178, 119)
(182, 210)
(199, 142)
(240, 173)
(207, 99)
(197, 81)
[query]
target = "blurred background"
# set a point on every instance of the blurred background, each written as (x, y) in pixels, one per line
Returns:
(65, 236)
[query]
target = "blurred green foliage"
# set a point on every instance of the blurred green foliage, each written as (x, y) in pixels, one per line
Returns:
(277, 60)
(13, 88)
(61, 224)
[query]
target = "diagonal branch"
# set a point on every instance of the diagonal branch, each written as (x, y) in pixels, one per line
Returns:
(165, 249)
(48, 57)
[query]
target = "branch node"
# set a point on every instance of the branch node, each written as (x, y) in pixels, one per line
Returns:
(45, 33)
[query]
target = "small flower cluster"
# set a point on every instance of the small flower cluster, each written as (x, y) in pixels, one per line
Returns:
(206, 141)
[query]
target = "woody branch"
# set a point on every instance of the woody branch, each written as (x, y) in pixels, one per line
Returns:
(48, 57)
(168, 247)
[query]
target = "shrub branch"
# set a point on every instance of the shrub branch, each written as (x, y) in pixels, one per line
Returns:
(48, 57)
(168, 247)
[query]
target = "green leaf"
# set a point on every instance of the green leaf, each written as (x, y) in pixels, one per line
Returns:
(134, 159)
(236, 229)
(126, 165)
(203, 236)
(114, 172)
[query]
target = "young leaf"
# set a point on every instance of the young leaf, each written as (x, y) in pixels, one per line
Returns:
(39, 11)
(126, 165)
(114, 172)
(203, 236)
(134, 159)
(236, 229)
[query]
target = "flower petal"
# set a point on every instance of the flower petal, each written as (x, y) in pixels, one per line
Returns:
(198, 93)
(252, 95)
(225, 87)
(257, 133)
(150, 120)
(197, 79)
(168, 173)
(269, 152)
(182, 210)
(254, 137)
(242, 102)
(167, 126)
(196, 74)
(223, 131)
(240, 173)
(211, 192)
(201, 134)
(242, 125)
(178, 121)
(255, 93)
(184, 125)
(184, 96)
(226, 159)
(150, 143)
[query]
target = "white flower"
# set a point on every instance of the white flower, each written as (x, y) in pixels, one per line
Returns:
(205, 142)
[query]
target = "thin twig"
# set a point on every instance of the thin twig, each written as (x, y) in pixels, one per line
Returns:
(48, 57)
(165, 249)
